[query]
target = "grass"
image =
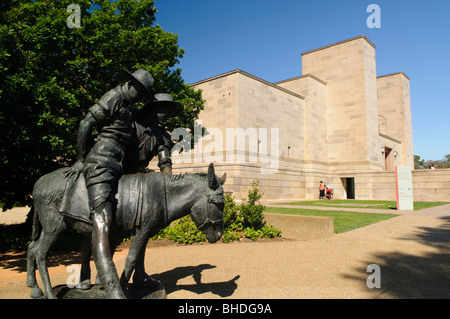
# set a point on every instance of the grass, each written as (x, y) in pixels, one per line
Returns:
(346, 221)
(343, 221)
(422, 205)
(366, 204)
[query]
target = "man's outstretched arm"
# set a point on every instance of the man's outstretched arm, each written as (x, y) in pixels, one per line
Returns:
(84, 135)
(83, 139)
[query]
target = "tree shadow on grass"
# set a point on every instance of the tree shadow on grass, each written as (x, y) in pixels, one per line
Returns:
(408, 276)
(170, 278)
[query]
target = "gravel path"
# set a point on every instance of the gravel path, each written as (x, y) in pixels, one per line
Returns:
(411, 250)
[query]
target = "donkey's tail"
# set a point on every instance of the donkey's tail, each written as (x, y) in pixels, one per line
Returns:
(36, 225)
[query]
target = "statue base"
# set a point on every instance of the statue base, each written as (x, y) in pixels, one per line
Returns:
(97, 292)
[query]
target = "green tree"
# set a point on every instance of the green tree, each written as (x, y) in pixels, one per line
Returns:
(421, 163)
(418, 162)
(51, 74)
(446, 161)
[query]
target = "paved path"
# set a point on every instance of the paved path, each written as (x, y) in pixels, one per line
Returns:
(412, 251)
(14, 216)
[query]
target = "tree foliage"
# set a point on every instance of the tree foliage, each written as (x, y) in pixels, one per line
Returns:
(421, 163)
(51, 74)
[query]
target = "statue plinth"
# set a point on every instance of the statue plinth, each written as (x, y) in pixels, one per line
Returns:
(97, 292)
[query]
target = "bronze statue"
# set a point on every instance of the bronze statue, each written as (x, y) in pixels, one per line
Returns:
(127, 137)
(102, 164)
(147, 202)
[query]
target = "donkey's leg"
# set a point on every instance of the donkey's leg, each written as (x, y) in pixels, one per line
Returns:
(36, 292)
(45, 242)
(136, 243)
(143, 278)
(86, 253)
(140, 277)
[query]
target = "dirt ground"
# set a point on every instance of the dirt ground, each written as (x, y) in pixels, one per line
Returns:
(412, 252)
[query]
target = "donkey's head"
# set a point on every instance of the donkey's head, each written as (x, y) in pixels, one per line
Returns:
(207, 214)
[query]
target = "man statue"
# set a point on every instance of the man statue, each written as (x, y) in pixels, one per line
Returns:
(102, 165)
(151, 138)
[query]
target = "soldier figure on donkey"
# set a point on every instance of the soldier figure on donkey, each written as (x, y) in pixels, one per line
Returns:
(127, 138)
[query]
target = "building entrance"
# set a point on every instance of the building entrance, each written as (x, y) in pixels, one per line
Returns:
(349, 187)
(388, 159)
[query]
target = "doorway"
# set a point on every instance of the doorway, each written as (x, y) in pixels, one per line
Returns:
(388, 159)
(349, 187)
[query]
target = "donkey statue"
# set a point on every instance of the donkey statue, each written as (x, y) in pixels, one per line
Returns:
(146, 203)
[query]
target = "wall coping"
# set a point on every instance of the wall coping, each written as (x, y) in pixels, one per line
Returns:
(393, 74)
(339, 43)
(237, 71)
(301, 77)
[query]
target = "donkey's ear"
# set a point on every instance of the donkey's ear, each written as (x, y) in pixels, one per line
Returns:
(223, 179)
(212, 180)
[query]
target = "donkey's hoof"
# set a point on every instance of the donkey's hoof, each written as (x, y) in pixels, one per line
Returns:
(85, 285)
(51, 295)
(36, 292)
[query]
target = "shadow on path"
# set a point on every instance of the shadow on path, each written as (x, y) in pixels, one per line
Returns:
(170, 278)
(17, 261)
(408, 276)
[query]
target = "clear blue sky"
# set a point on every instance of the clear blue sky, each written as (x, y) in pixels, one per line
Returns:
(266, 38)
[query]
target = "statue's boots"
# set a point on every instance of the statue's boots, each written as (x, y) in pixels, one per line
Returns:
(101, 252)
(109, 279)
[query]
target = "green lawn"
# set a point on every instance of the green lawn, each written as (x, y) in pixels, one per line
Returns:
(343, 221)
(366, 204)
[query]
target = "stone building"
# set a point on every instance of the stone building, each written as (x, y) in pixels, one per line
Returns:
(338, 122)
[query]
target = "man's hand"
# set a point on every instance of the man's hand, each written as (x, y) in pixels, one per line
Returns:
(83, 139)
(167, 170)
(76, 169)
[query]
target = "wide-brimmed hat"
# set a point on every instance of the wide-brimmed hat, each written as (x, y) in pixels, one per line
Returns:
(164, 103)
(142, 80)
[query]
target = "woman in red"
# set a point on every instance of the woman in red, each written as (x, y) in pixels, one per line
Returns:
(322, 190)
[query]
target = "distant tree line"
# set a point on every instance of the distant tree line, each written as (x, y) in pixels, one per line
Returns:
(421, 163)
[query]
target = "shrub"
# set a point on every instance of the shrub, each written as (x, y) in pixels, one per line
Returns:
(232, 220)
(182, 231)
(251, 211)
(252, 233)
(270, 232)
(14, 237)
(245, 220)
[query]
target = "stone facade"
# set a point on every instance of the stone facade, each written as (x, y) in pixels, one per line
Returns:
(394, 114)
(338, 122)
